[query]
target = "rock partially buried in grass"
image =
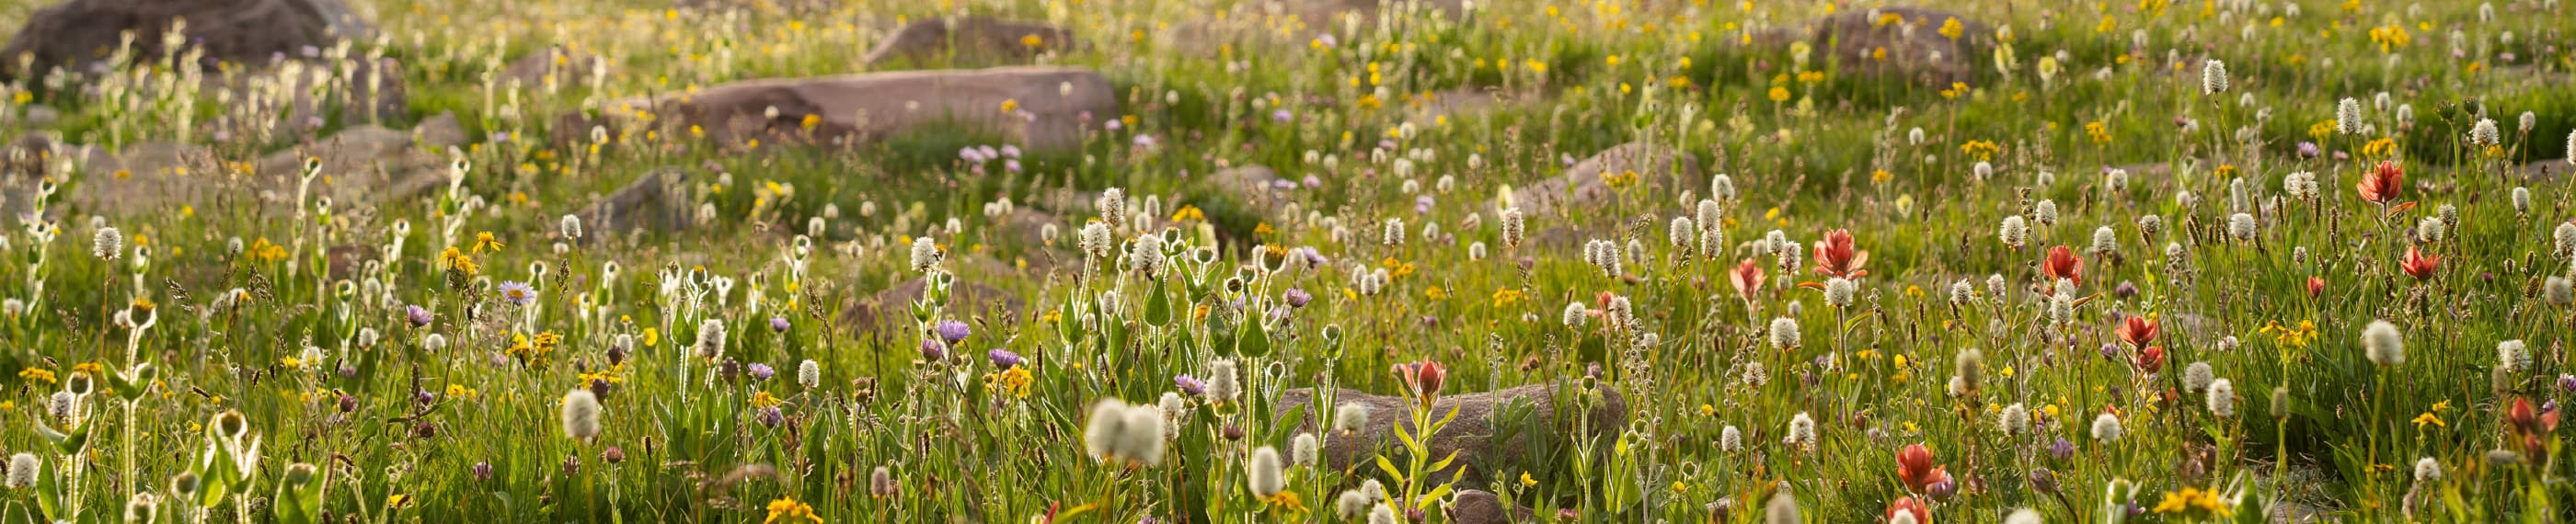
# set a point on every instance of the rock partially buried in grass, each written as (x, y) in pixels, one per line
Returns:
(1647, 171)
(362, 165)
(1475, 506)
(968, 40)
(891, 310)
(1479, 439)
(71, 33)
(1860, 43)
(656, 202)
(1040, 107)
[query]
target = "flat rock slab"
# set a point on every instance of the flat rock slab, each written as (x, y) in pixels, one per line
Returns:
(1861, 44)
(891, 309)
(71, 33)
(970, 39)
(656, 202)
(1472, 435)
(360, 165)
(1596, 182)
(1041, 107)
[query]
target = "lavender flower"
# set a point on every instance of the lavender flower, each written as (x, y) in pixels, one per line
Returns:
(1004, 359)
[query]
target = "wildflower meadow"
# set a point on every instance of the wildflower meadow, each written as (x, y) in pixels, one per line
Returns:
(1292, 261)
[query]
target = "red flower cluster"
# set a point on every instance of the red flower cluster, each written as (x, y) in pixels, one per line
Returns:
(1422, 379)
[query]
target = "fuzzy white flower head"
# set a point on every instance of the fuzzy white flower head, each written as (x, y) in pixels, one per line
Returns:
(2512, 356)
(1393, 233)
(2045, 212)
(2197, 376)
(2106, 240)
(809, 374)
(2557, 290)
(1839, 291)
(1574, 314)
(2222, 398)
(1303, 449)
(1730, 439)
(1224, 382)
(2014, 420)
(1264, 473)
(2106, 428)
(2015, 232)
(1961, 292)
(1782, 509)
(23, 470)
(2348, 116)
(925, 254)
(2484, 134)
(1383, 514)
(571, 226)
(2428, 470)
(581, 414)
(107, 244)
(2241, 226)
(2383, 343)
(2565, 235)
(2213, 77)
(2024, 516)
(1351, 418)
(1802, 430)
(1784, 333)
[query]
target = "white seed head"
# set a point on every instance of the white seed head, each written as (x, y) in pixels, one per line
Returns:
(2222, 398)
(581, 414)
(1264, 473)
(1784, 333)
(2383, 344)
(2106, 428)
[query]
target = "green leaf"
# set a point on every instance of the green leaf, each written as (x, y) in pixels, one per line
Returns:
(1158, 305)
(1389, 467)
(1257, 342)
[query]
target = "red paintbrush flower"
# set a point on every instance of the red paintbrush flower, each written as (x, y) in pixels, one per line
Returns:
(1914, 466)
(1907, 505)
(2062, 263)
(1747, 278)
(2382, 183)
(1835, 256)
(1423, 378)
(2316, 286)
(2151, 359)
(2138, 330)
(2420, 265)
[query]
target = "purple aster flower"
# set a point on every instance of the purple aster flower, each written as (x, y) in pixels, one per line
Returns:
(1327, 40)
(417, 316)
(770, 416)
(2063, 449)
(1189, 384)
(1297, 298)
(952, 331)
(1010, 151)
(518, 293)
(1313, 182)
(778, 324)
(1004, 359)
(482, 471)
(1422, 204)
(1144, 140)
(761, 371)
(2307, 150)
(1282, 116)
(2567, 383)
(2126, 290)
(933, 350)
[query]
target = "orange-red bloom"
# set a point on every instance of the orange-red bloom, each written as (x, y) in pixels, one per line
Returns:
(1907, 505)
(2062, 263)
(1835, 256)
(2316, 286)
(2420, 265)
(2138, 330)
(1747, 278)
(2151, 359)
(1914, 466)
(2382, 183)
(1423, 378)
